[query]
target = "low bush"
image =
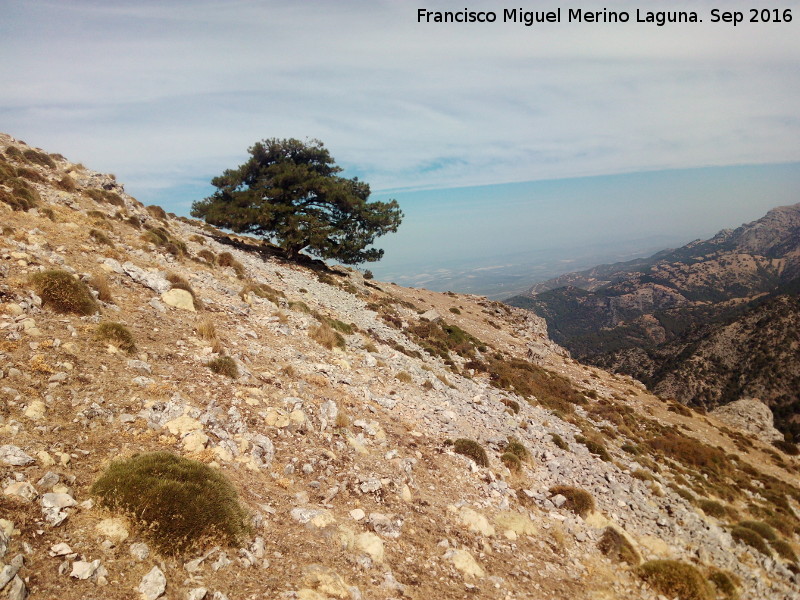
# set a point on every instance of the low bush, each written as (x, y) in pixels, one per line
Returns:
(63, 293)
(177, 503)
(104, 196)
(157, 212)
(595, 447)
(762, 529)
(614, 545)
(22, 196)
(208, 256)
(116, 334)
(473, 450)
(578, 501)
(787, 447)
(676, 579)
(517, 448)
(100, 237)
(712, 508)
(559, 441)
(403, 376)
(39, 158)
(262, 290)
(751, 538)
(224, 365)
(511, 460)
(725, 583)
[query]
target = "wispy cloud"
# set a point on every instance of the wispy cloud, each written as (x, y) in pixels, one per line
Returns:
(165, 92)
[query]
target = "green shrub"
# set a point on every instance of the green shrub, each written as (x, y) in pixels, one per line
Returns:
(762, 529)
(455, 310)
(751, 538)
(787, 447)
(784, 549)
(473, 450)
(157, 212)
(517, 448)
(595, 447)
(559, 441)
(578, 501)
(511, 461)
(63, 293)
(616, 547)
(712, 508)
(100, 237)
(676, 579)
(224, 365)
(39, 158)
(177, 503)
(692, 453)
(117, 334)
(22, 196)
(368, 274)
(726, 584)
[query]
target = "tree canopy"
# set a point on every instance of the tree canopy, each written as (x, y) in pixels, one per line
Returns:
(290, 192)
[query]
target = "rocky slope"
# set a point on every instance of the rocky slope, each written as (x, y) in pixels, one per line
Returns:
(681, 320)
(342, 426)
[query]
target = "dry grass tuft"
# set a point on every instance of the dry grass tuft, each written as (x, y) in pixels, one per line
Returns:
(100, 284)
(206, 330)
(326, 337)
(176, 502)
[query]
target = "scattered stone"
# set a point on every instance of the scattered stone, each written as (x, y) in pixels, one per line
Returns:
(139, 550)
(465, 562)
(178, 298)
(22, 490)
(153, 585)
(196, 594)
(357, 514)
(14, 456)
(60, 549)
(370, 544)
(84, 570)
(325, 581)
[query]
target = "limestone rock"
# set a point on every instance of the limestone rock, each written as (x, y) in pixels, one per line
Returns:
(370, 544)
(750, 415)
(178, 298)
(465, 562)
(153, 585)
(14, 456)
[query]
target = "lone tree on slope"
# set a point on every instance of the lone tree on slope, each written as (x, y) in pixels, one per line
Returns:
(290, 192)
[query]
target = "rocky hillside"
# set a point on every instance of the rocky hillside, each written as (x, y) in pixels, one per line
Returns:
(690, 315)
(344, 438)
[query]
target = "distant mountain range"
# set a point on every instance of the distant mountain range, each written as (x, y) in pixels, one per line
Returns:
(706, 323)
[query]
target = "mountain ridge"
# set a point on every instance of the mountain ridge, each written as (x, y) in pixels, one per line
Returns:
(385, 442)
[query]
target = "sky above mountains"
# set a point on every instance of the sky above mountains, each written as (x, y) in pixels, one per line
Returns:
(168, 94)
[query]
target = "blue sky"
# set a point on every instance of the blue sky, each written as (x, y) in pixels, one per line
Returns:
(168, 94)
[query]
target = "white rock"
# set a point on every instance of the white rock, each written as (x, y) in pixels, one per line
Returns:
(21, 489)
(466, 563)
(357, 514)
(139, 550)
(57, 500)
(84, 570)
(61, 549)
(196, 594)
(370, 544)
(35, 410)
(153, 585)
(14, 456)
(195, 441)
